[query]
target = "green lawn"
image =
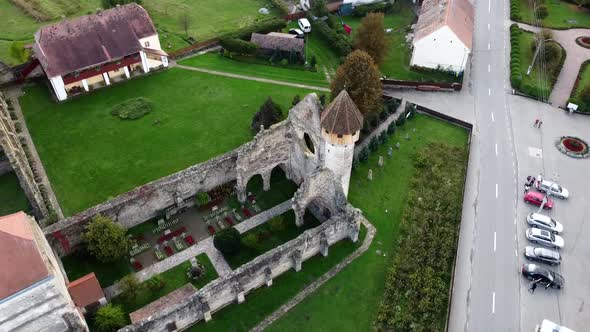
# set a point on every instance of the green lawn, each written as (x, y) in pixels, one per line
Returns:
(350, 300)
(174, 278)
(562, 15)
(253, 67)
(265, 300)
(91, 156)
(269, 238)
(80, 264)
(583, 83)
(11, 195)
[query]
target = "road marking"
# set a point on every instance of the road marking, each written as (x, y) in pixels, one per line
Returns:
(489, 68)
(489, 6)
(515, 221)
(496, 149)
(496, 190)
(493, 302)
(494, 241)
(493, 120)
(515, 252)
(514, 236)
(489, 46)
(489, 92)
(488, 26)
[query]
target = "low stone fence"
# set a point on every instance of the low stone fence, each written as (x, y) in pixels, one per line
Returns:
(421, 86)
(381, 128)
(261, 271)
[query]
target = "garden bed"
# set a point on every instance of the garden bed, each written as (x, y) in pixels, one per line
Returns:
(562, 14)
(582, 87)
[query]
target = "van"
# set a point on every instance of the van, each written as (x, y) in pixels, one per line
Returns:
(304, 25)
(549, 326)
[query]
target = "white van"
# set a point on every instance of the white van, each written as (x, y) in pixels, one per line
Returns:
(549, 326)
(304, 25)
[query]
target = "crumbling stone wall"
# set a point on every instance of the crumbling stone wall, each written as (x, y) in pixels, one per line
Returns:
(261, 271)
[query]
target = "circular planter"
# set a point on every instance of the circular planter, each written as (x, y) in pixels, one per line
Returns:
(583, 41)
(573, 147)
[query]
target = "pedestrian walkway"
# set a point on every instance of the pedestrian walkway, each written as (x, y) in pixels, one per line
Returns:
(253, 78)
(371, 230)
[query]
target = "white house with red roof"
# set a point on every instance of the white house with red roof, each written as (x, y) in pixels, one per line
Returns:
(92, 51)
(443, 37)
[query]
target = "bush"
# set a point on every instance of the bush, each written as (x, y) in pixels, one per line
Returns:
(251, 241)
(355, 163)
(263, 27)
(132, 109)
(542, 11)
(374, 145)
(277, 224)
(280, 6)
(381, 7)
(383, 138)
(19, 52)
(130, 287)
(269, 114)
(391, 128)
(109, 318)
(155, 283)
(106, 240)
(239, 46)
(319, 8)
(364, 154)
(313, 61)
(228, 241)
(339, 43)
(202, 198)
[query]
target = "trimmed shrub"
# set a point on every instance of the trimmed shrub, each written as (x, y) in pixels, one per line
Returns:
(383, 138)
(107, 240)
(374, 145)
(364, 154)
(155, 283)
(250, 240)
(542, 12)
(202, 198)
(339, 43)
(355, 163)
(228, 241)
(132, 109)
(391, 128)
(239, 46)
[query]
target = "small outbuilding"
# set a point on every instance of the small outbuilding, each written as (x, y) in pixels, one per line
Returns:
(279, 42)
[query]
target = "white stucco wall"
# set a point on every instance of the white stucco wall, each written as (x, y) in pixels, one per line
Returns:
(57, 83)
(339, 160)
(153, 42)
(443, 48)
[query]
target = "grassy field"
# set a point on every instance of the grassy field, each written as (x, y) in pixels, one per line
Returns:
(537, 78)
(349, 301)
(12, 197)
(246, 66)
(91, 156)
(562, 15)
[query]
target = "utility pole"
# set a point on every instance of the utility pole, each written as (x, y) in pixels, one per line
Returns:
(540, 42)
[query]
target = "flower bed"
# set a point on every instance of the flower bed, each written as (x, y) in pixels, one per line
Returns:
(573, 147)
(583, 41)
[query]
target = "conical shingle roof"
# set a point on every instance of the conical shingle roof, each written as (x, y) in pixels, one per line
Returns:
(342, 117)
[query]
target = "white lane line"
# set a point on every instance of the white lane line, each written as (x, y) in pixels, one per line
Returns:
(515, 252)
(515, 221)
(488, 26)
(489, 68)
(514, 236)
(489, 92)
(496, 149)
(493, 119)
(493, 302)
(496, 190)
(489, 46)
(489, 6)
(494, 241)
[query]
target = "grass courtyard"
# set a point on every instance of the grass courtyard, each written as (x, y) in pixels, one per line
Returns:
(12, 197)
(562, 14)
(577, 96)
(91, 156)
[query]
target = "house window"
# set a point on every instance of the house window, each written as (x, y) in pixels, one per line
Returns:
(146, 44)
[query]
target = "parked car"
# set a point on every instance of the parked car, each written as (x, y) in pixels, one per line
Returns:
(536, 198)
(553, 188)
(545, 276)
(304, 25)
(549, 326)
(542, 255)
(296, 32)
(544, 237)
(542, 221)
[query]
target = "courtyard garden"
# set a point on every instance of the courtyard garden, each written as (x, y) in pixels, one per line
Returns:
(545, 71)
(581, 92)
(557, 14)
(12, 196)
(91, 156)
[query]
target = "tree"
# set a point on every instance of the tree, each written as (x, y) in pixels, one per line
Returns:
(360, 77)
(106, 240)
(202, 198)
(582, 2)
(109, 318)
(313, 61)
(19, 52)
(156, 283)
(185, 22)
(250, 240)
(269, 114)
(228, 241)
(371, 37)
(130, 287)
(542, 11)
(319, 8)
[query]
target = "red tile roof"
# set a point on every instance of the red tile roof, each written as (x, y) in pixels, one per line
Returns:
(92, 40)
(85, 290)
(21, 264)
(458, 15)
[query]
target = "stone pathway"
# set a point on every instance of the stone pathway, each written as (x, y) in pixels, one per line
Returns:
(13, 95)
(203, 247)
(371, 230)
(253, 78)
(576, 55)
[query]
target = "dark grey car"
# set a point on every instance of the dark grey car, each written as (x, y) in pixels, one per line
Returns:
(542, 255)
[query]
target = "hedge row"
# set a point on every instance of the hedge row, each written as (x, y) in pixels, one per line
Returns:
(417, 283)
(338, 42)
(279, 5)
(274, 24)
(239, 46)
(577, 97)
(515, 10)
(381, 7)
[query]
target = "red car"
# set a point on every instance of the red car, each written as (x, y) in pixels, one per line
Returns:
(536, 198)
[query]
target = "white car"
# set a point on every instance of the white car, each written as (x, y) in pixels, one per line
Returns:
(304, 25)
(553, 188)
(545, 238)
(537, 220)
(549, 326)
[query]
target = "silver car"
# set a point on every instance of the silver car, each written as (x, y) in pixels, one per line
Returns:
(542, 255)
(544, 237)
(538, 220)
(553, 188)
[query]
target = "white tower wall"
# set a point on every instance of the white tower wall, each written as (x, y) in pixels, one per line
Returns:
(338, 158)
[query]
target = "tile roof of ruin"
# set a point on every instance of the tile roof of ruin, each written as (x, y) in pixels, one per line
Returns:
(85, 290)
(277, 42)
(21, 264)
(91, 40)
(458, 15)
(160, 304)
(342, 117)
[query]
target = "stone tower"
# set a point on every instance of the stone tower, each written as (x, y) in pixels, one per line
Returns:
(341, 124)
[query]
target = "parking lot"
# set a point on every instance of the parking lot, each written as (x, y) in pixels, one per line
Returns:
(536, 153)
